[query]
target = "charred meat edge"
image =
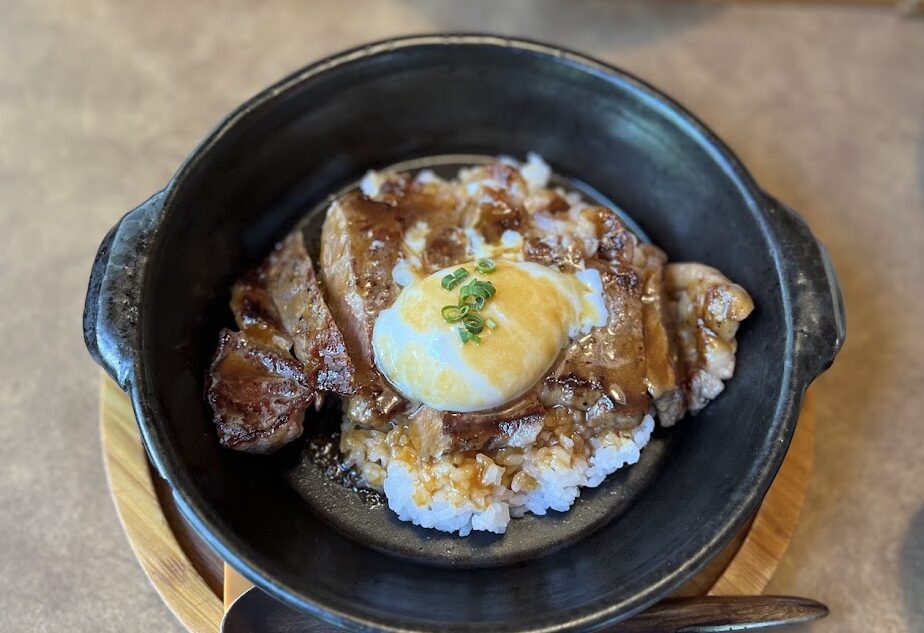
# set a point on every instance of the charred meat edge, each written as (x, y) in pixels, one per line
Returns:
(288, 353)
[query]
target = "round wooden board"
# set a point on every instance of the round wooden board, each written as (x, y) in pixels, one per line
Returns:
(196, 584)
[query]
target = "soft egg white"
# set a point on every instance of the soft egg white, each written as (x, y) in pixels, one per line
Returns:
(537, 310)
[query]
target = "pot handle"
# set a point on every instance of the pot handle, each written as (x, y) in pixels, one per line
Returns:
(110, 316)
(816, 301)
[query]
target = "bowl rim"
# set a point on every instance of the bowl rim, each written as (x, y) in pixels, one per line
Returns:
(244, 559)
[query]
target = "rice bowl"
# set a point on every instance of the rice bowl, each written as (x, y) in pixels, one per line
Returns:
(154, 330)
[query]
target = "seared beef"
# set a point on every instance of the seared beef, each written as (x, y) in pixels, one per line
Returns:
(661, 357)
(706, 309)
(259, 393)
(603, 372)
(360, 245)
(288, 280)
(257, 388)
(516, 424)
(667, 347)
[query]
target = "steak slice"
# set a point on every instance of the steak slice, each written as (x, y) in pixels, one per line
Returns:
(516, 424)
(289, 280)
(706, 309)
(603, 372)
(360, 245)
(280, 310)
(258, 391)
(255, 311)
(661, 358)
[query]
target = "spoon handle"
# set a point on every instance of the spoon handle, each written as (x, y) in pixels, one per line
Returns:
(722, 613)
(256, 611)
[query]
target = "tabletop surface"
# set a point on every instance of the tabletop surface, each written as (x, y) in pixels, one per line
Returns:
(100, 101)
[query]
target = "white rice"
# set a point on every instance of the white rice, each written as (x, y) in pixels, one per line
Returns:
(536, 172)
(461, 493)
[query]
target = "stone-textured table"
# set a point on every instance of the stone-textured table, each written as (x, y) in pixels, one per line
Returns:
(100, 100)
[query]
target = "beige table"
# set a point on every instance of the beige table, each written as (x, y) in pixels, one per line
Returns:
(101, 100)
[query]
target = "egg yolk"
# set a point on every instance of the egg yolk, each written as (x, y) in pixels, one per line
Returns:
(536, 309)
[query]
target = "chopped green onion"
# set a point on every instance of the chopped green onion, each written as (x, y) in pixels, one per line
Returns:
(490, 323)
(485, 266)
(471, 288)
(467, 336)
(472, 298)
(454, 313)
(474, 302)
(454, 278)
(477, 288)
(473, 323)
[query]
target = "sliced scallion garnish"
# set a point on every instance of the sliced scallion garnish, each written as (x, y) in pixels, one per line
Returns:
(454, 278)
(474, 302)
(473, 323)
(485, 266)
(467, 336)
(477, 288)
(472, 298)
(454, 313)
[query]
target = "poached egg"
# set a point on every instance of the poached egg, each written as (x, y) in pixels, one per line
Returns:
(537, 310)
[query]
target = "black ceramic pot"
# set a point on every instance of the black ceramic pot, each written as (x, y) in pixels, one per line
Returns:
(160, 285)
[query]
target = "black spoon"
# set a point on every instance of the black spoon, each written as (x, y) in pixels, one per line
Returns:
(257, 612)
